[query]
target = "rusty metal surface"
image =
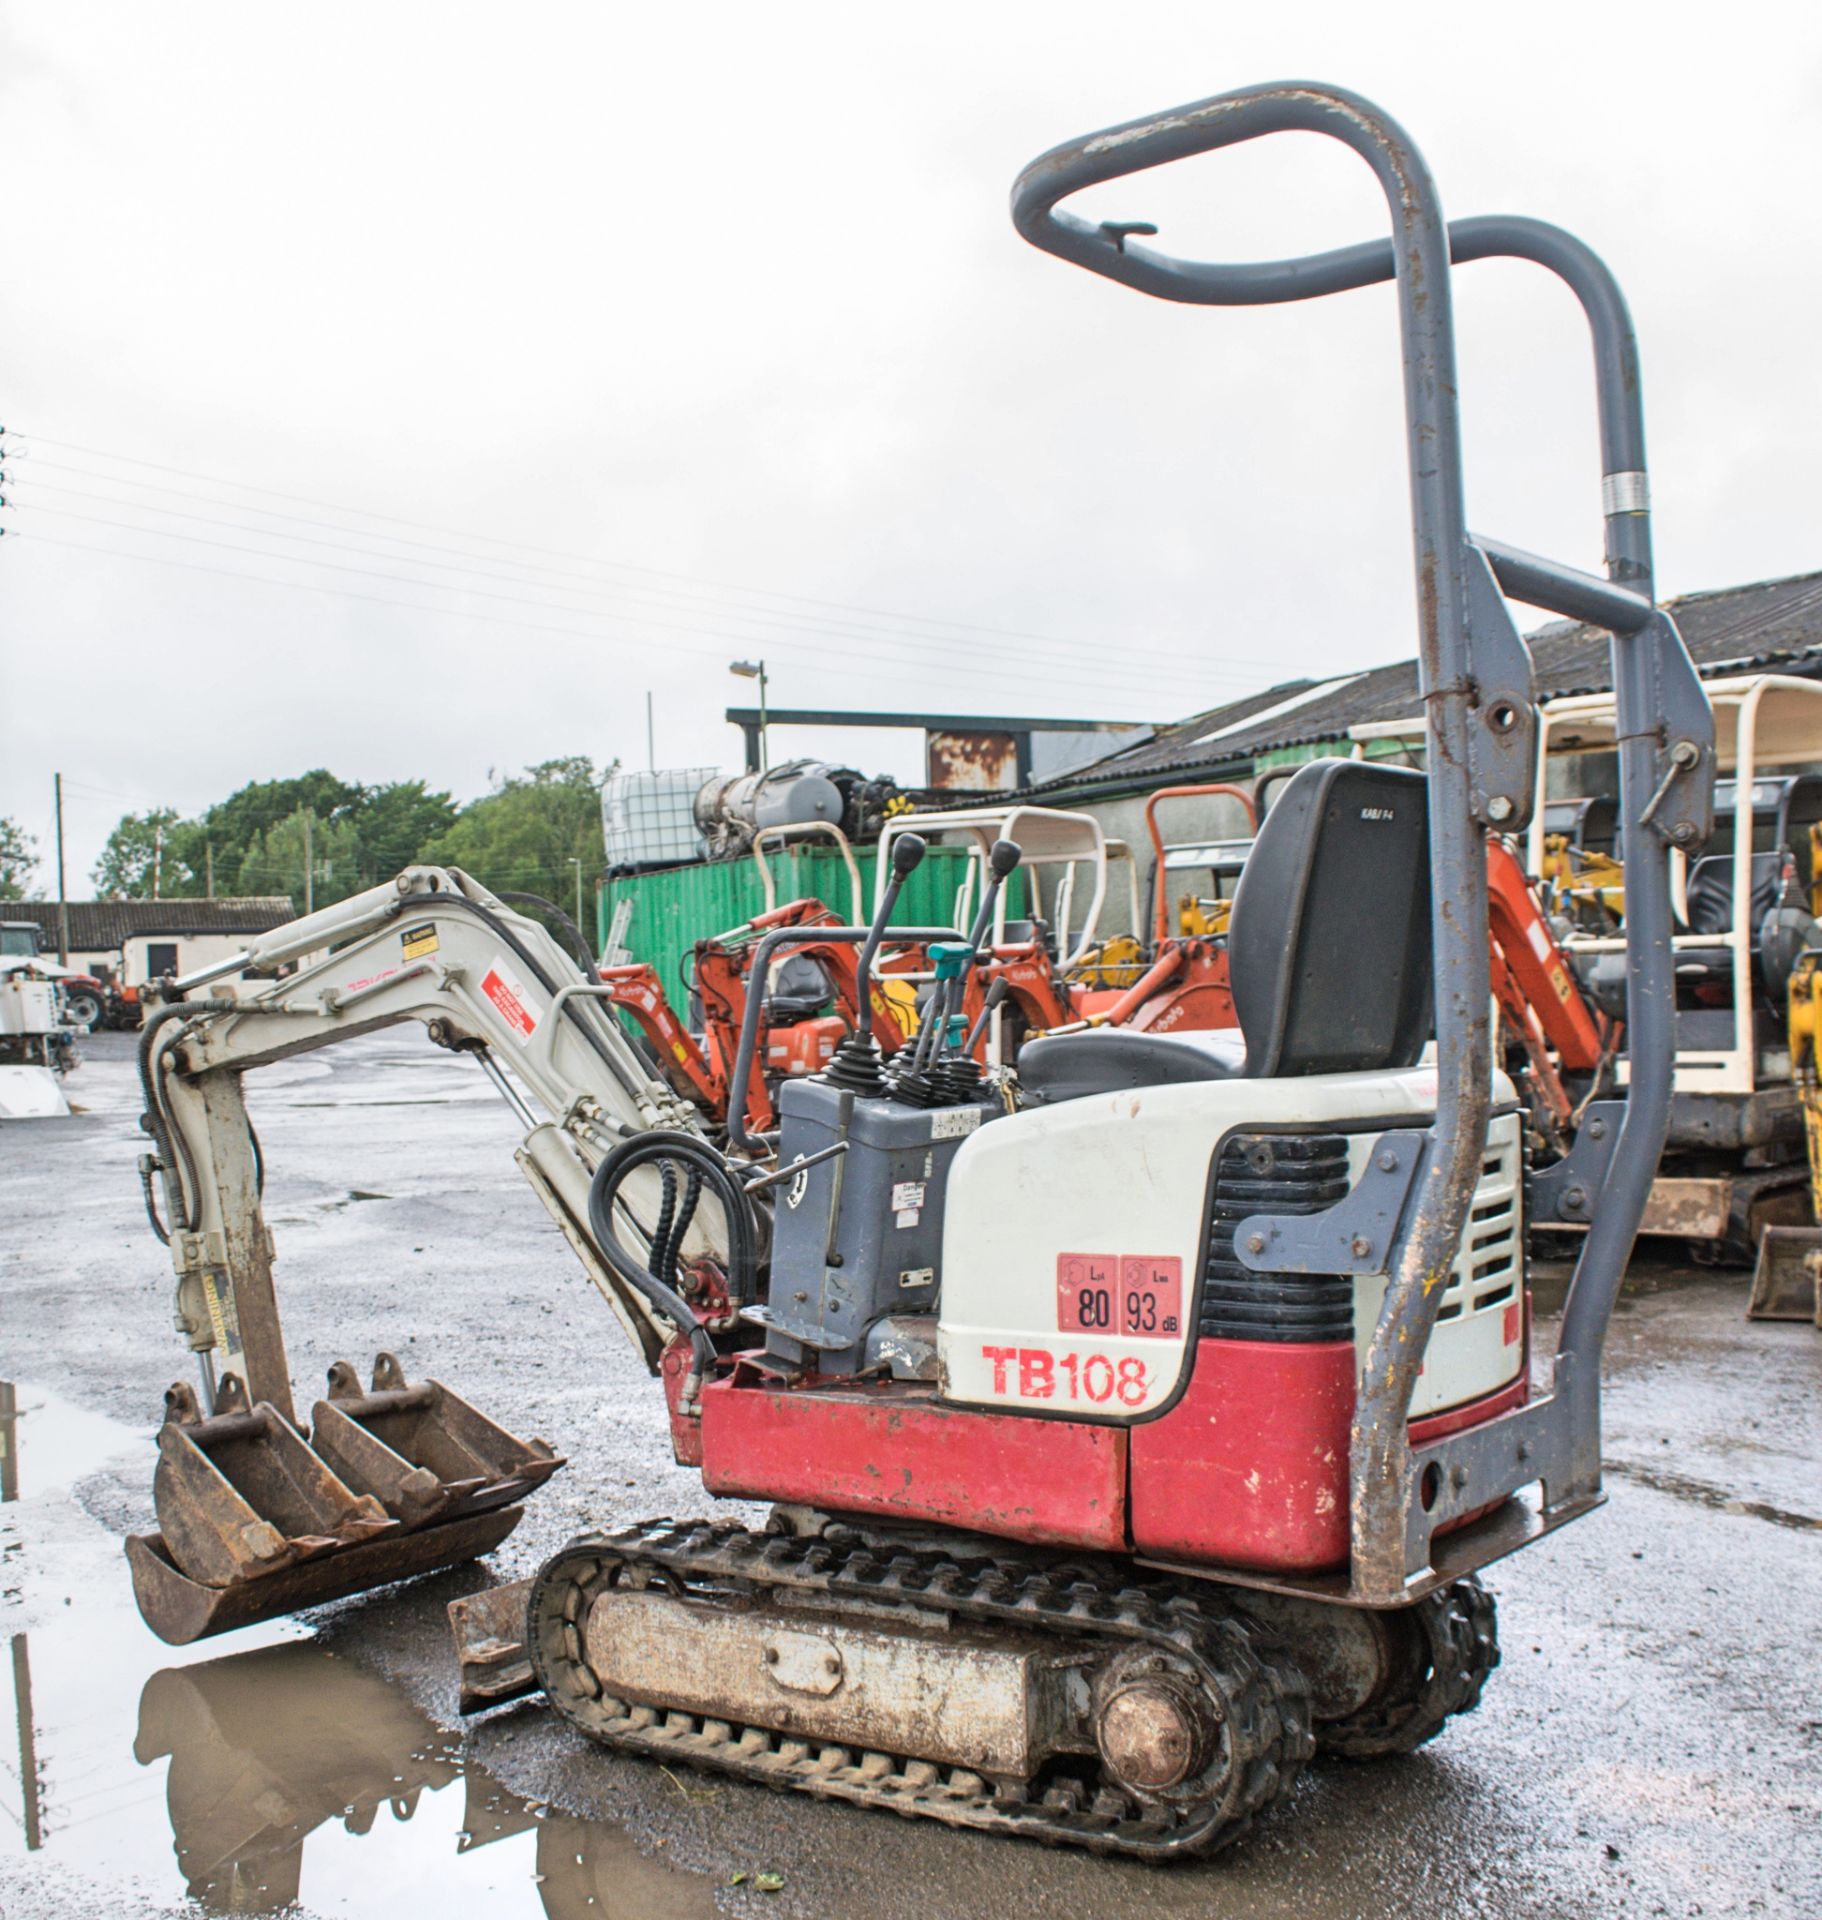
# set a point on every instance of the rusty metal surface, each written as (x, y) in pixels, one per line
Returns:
(959, 1698)
(1787, 1281)
(972, 762)
(1113, 1630)
(423, 1452)
(179, 1609)
(492, 1664)
(240, 1496)
(1688, 1208)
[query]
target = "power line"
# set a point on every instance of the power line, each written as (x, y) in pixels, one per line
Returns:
(914, 648)
(1046, 651)
(555, 553)
(846, 662)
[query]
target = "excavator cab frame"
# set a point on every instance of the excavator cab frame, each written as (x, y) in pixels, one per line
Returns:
(1481, 734)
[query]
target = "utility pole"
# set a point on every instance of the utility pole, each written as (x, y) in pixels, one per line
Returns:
(577, 864)
(309, 865)
(651, 738)
(63, 892)
(157, 858)
(208, 867)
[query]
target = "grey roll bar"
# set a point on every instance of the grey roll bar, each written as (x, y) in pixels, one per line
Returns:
(1481, 727)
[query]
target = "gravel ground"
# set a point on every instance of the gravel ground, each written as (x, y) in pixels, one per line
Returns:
(1651, 1745)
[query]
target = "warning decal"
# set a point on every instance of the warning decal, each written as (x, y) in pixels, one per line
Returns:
(419, 940)
(507, 993)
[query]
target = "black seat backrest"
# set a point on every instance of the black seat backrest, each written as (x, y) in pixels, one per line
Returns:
(1329, 947)
(1710, 891)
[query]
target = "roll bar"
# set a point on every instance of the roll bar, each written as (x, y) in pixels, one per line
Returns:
(1481, 728)
(1160, 911)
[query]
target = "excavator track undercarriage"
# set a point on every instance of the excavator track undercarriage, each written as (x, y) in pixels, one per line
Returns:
(1153, 1720)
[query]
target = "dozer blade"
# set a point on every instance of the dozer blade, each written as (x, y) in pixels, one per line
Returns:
(422, 1452)
(1787, 1281)
(492, 1660)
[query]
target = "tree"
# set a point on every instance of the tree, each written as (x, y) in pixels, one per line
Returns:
(275, 863)
(395, 823)
(145, 854)
(522, 837)
(18, 859)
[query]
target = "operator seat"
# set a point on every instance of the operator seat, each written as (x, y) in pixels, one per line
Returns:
(1328, 950)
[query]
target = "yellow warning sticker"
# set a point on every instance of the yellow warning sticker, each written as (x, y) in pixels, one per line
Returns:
(419, 940)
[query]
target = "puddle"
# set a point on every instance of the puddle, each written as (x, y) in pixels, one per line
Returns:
(272, 1775)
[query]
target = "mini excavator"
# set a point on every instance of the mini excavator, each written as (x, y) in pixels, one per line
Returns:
(1134, 1427)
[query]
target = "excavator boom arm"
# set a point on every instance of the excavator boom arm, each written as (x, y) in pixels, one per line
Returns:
(433, 946)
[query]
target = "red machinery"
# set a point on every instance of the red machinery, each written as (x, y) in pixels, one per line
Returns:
(1542, 1004)
(800, 1031)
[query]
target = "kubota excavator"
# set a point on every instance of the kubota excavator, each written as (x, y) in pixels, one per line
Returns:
(1124, 1449)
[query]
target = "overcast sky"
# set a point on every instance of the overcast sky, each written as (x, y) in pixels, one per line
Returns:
(612, 343)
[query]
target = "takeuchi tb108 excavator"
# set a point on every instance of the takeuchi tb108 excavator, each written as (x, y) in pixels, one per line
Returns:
(1135, 1424)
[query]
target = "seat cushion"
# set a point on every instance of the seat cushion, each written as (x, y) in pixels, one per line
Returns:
(1066, 1066)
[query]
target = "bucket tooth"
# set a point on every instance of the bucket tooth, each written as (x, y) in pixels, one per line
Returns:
(240, 1496)
(422, 1452)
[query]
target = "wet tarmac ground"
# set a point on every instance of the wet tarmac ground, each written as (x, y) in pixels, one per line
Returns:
(1651, 1745)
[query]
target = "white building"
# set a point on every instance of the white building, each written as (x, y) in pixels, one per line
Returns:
(134, 941)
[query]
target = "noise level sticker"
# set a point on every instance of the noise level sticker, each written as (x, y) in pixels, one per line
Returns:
(507, 993)
(1139, 1296)
(415, 942)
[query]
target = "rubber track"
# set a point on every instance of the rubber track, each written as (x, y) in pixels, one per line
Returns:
(1266, 1731)
(1461, 1647)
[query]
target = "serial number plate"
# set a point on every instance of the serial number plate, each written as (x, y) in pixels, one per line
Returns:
(1136, 1295)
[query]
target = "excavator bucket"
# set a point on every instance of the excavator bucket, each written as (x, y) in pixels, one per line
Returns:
(254, 1523)
(422, 1452)
(1787, 1281)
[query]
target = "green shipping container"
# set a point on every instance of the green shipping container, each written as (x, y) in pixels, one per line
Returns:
(674, 907)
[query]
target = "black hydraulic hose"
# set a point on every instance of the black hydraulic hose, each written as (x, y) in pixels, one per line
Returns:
(173, 1151)
(578, 943)
(659, 1261)
(666, 1253)
(498, 928)
(707, 1168)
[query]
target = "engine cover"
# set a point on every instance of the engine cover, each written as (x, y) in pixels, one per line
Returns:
(1076, 1238)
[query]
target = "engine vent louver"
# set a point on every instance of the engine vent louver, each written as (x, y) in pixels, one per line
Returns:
(1274, 1173)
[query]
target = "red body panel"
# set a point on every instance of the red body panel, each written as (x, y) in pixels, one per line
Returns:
(894, 1450)
(1250, 1467)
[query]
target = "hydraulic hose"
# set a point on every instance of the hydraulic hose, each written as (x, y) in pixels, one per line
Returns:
(578, 944)
(704, 1167)
(573, 1008)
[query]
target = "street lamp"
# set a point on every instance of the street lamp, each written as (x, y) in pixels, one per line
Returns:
(754, 670)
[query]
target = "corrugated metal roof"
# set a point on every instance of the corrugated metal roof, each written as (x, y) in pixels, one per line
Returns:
(1728, 629)
(104, 926)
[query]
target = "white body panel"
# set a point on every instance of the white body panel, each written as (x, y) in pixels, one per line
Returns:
(1126, 1177)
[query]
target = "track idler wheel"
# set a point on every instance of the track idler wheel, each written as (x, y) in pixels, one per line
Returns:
(1440, 1653)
